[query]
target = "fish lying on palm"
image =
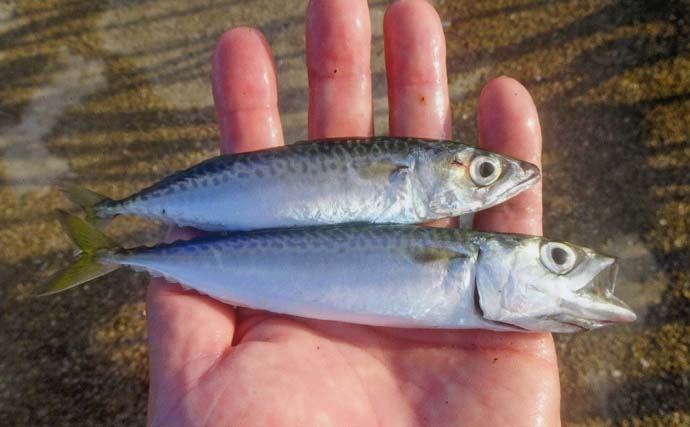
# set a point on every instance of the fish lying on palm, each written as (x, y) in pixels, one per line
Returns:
(381, 275)
(374, 180)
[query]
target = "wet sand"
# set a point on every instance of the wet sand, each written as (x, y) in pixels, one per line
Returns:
(115, 95)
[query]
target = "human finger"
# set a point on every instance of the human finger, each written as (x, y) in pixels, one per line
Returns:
(509, 124)
(244, 86)
(338, 65)
(416, 71)
(245, 92)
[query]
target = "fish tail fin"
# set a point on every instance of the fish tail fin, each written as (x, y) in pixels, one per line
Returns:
(88, 266)
(88, 201)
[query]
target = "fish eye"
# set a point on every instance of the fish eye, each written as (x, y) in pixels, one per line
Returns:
(558, 257)
(485, 170)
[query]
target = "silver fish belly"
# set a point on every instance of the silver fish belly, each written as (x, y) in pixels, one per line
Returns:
(400, 276)
(387, 276)
(375, 180)
(379, 275)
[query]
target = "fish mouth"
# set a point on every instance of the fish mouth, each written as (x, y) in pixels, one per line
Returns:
(596, 305)
(529, 175)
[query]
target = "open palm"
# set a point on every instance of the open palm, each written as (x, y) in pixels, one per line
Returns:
(213, 365)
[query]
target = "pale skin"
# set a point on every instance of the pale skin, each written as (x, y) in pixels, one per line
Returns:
(213, 365)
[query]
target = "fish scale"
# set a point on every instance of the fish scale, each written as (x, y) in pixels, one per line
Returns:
(374, 180)
(360, 274)
(379, 275)
(308, 159)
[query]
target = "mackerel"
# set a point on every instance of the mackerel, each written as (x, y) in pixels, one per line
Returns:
(380, 275)
(374, 180)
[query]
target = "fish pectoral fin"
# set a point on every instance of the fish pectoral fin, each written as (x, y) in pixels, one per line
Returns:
(427, 255)
(397, 193)
(400, 184)
(383, 169)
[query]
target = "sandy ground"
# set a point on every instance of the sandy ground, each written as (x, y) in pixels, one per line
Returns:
(116, 94)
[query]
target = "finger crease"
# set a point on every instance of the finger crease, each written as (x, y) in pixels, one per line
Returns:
(336, 74)
(251, 109)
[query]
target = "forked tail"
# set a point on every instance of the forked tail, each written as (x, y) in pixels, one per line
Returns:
(93, 244)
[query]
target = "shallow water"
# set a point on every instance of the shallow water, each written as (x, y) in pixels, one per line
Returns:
(115, 95)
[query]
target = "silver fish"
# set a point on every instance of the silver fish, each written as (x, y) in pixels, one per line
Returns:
(381, 275)
(374, 180)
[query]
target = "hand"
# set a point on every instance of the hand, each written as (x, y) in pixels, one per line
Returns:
(212, 365)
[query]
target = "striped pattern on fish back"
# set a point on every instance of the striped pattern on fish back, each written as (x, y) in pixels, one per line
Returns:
(309, 158)
(321, 238)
